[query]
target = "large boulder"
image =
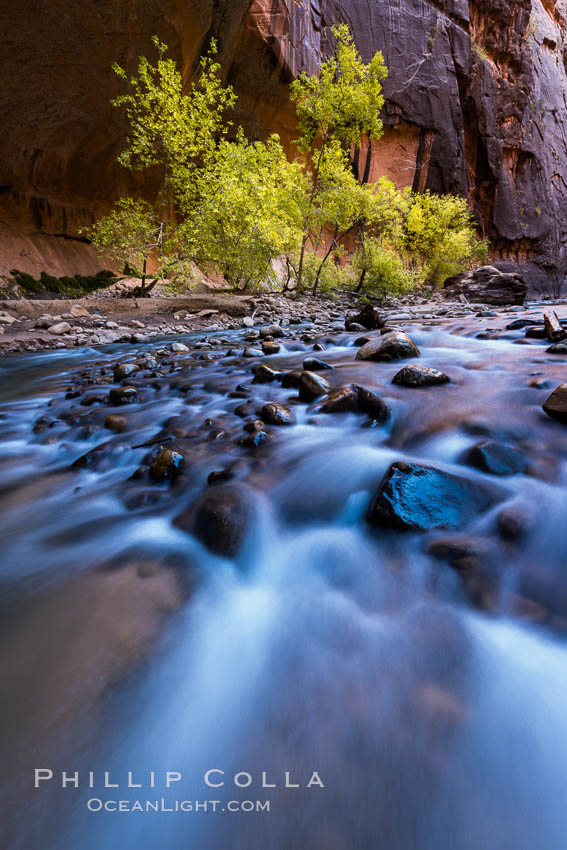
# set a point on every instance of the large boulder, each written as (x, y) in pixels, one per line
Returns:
(220, 518)
(488, 285)
(422, 498)
(395, 345)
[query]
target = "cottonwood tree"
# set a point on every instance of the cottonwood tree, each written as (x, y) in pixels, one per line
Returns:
(335, 109)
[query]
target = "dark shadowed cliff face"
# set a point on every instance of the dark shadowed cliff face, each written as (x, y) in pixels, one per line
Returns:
(476, 104)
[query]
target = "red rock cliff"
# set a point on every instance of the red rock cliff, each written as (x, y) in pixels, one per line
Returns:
(476, 104)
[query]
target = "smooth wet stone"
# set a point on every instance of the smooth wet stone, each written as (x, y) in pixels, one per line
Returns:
(219, 475)
(371, 404)
(313, 364)
(115, 422)
(124, 370)
(415, 375)
(556, 404)
(340, 400)
(557, 348)
(253, 441)
(497, 458)
(271, 330)
(395, 345)
(277, 414)
(536, 332)
(263, 374)
(422, 498)
(179, 347)
(253, 352)
(271, 347)
(318, 346)
(311, 386)
(166, 465)
(123, 395)
(253, 425)
(290, 380)
(220, 518)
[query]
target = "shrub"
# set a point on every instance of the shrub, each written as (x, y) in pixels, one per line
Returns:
(380, 271)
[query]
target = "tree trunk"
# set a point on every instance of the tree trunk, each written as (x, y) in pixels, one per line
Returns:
(361, 280)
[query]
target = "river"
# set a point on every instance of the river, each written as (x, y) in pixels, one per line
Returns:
(428, 699)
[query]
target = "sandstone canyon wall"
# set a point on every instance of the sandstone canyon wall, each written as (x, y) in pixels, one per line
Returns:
(476, 104)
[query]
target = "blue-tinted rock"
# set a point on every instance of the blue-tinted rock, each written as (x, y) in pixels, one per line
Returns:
(497, 458)
(422, 498)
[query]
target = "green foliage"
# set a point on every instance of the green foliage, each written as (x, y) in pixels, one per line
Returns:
(328, 277)
(72, 287)
(380, 270)
(439, 237)
(249, 210)
(169, 128)
(129, 234)
(231, 206)
(334, 111)
(344, 101)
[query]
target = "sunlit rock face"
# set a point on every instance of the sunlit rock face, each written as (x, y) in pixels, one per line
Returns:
(476, 100)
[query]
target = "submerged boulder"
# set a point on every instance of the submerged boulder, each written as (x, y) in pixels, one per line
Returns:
(422, 498)
(420, 376)
(556, 404)
(221, 518)
(277, 414)
(166, 465)
(370, 403)
(311, 386)
(394, 345)
(497, 458)
(339, 401)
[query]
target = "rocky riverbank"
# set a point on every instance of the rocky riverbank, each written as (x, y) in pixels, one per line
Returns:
(34, 325)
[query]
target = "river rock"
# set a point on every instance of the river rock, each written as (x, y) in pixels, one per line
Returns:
(271, 330)
(60, 328)
(290, 380)
(123, 395)
(339, 401)
(557, 348)
(124, 370)
(369, 317)
(311, 386)
(179, 347)
(221, 518)
(270, 347)
(115, 422)
(556, 405)
(370, 403)
(253, 441)
(78, 312)
(277, 414)
(247, 322)
(488, 285)
(497, 458)
(253, 352)
(415, 375)
(421, 498)
(395, 345)
(263, 374)
(166, 465)
(313, 364)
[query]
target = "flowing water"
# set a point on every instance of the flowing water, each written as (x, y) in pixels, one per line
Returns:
(431, 707)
